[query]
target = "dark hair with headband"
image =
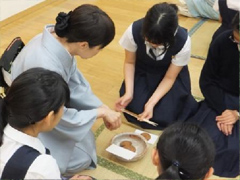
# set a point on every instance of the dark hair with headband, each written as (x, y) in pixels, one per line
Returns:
(186, 152)
(30, 98)
(160, 24)
(86, 23)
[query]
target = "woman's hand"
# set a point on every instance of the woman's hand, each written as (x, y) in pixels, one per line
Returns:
(122, 102)
(147, 113)
(228, 117)
(112, 119)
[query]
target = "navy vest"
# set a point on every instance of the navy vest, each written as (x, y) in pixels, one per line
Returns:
(18, 165)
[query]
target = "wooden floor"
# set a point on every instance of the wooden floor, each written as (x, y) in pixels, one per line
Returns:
(105, 70)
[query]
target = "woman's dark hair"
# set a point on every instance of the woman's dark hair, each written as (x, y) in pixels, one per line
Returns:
(86, 23)
(235, 22)
(186, 152)
(30, 98)
(160, 24)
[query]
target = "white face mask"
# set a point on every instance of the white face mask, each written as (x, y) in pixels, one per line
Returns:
(157, 50)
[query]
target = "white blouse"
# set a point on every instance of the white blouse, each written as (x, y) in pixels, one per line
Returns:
(181, 59)
(43, 167)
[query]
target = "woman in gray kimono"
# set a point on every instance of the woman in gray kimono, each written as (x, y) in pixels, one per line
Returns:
(82, 32)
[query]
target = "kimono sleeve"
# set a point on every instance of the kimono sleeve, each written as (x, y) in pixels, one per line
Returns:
(82, 97)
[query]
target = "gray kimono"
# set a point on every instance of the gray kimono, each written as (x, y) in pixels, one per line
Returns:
(72, 140)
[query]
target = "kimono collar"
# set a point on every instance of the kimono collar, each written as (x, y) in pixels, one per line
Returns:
(55, 47)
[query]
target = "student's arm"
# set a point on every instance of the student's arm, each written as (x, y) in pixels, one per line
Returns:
(129, 71)
(209, 79)
(162, 89)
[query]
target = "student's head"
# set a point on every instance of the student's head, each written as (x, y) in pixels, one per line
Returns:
(87, 23)
(160, 24)
(184, 151)
(235, 25)
(35, 96)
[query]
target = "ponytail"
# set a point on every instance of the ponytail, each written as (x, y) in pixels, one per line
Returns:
(172, 172)
(186, 152)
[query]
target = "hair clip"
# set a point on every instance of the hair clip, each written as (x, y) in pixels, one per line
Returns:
(182, 173)
(176, 163)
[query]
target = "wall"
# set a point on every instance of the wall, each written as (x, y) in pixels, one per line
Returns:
(9, 8)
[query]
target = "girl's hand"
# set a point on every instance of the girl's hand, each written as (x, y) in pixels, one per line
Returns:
(228, 117)
(122, 102)
(225, 128)
(147, 113)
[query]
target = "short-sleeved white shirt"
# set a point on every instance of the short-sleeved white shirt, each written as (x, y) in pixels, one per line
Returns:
(43, 167)
(181, 59)
(231, 4)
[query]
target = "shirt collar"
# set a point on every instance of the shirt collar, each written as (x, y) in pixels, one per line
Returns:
(55, 47)
(157, 51)
(24, 139)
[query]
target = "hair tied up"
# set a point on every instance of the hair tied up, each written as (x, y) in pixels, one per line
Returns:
(62, 23)
(182, 173)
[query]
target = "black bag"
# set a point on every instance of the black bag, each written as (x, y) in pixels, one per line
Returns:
(9, 56)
